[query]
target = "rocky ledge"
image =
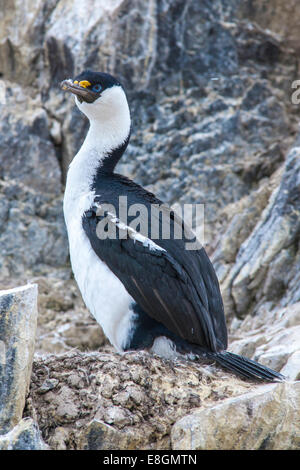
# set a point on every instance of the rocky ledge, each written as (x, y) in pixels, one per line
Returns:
(213, 123)
(137, 401)
(104, 400)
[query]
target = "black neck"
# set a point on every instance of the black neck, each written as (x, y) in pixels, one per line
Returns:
(108, 164)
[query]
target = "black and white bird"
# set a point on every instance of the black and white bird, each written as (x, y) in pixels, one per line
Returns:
(145, 293)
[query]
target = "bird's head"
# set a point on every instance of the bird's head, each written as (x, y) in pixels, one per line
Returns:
(98, 95)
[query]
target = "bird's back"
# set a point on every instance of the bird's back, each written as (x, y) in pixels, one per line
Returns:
(194, 264)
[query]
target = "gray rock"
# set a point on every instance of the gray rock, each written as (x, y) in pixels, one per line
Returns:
(267, 264)
(272, 338)
(31, 220)
(266, 418)
(104, 400)
(24, 436)
(100, 436)
(33, 234)
(194, 139)
(281, 17)
(27, 153)
(18, 319)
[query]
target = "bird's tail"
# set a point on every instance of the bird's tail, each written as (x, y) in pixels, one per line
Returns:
(246, 367)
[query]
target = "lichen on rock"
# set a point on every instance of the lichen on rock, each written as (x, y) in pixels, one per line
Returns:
(18, 318)
(266, 418)
(24, 436)
(104, 400)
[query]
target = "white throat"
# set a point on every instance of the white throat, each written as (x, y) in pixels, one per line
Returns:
(109, 118)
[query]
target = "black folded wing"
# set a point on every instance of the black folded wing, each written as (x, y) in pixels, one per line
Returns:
(175, 286)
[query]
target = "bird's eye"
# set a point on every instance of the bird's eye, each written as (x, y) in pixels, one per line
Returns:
(97, 88)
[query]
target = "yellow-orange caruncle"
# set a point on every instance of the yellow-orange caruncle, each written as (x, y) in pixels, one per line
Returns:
(83, 83)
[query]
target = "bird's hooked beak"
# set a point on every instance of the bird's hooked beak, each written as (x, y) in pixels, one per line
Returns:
(79, 89)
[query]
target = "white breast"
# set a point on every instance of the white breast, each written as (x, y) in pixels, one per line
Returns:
(103, 293)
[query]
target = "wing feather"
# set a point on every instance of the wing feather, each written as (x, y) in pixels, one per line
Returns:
(169, 283)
